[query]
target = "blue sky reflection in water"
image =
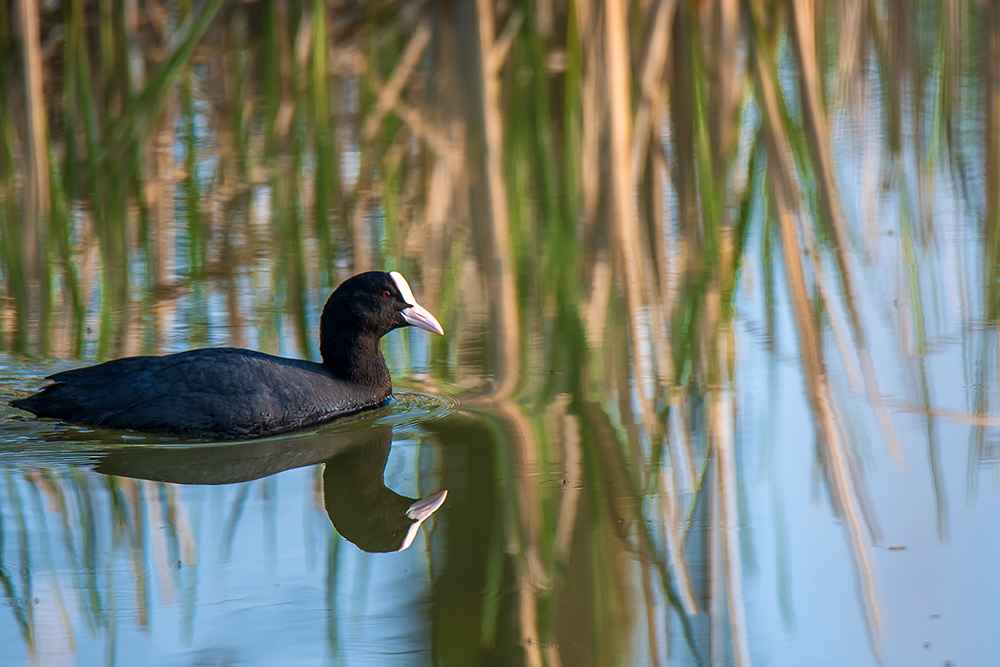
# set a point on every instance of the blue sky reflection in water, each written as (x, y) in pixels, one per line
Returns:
(241, 573)
(720, 380)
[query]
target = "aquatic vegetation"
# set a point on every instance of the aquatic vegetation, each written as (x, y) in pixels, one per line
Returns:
(612, 206)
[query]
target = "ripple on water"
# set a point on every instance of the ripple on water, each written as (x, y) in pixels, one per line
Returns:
(411, 408)
(406, 412)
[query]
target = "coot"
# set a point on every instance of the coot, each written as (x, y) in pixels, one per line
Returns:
(236, 393)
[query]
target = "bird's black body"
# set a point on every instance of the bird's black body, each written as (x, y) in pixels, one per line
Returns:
(236, 393)
(204, 393)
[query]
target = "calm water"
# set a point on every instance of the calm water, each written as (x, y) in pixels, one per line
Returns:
(725, 396)
(100, 568)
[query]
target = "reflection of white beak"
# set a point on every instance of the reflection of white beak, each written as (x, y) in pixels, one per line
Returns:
(416, 315)
(419, 511)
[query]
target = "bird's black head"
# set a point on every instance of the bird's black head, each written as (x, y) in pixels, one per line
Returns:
(360, 311)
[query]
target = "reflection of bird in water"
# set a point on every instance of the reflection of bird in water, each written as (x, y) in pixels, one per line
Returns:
(235, 393)
(360, 506)
(362, 509)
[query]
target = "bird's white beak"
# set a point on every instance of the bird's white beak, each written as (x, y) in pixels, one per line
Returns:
(418, 316)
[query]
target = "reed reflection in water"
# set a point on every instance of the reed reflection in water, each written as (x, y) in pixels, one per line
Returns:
(719, 280)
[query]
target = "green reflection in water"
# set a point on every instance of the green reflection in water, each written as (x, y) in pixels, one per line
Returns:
(614, 209)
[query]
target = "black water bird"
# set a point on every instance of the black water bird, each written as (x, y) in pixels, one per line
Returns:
(362, 509)
(237, 393)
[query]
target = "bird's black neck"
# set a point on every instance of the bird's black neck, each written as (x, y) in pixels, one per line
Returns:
(356, 359)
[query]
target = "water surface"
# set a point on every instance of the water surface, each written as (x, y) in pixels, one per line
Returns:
(720, 287)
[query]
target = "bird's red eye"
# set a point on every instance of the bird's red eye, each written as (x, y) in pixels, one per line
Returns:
(386, 294)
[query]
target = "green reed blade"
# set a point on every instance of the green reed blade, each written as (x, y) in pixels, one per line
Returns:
(293, 236)
(271, 76)
(142, 114)
(70, 105)
(196, 242)
(551, 212)
(325, 181)
(10, 213)
(743, 216)
(62, 231)
(572, 120)
(491, 594)
(106, 26)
